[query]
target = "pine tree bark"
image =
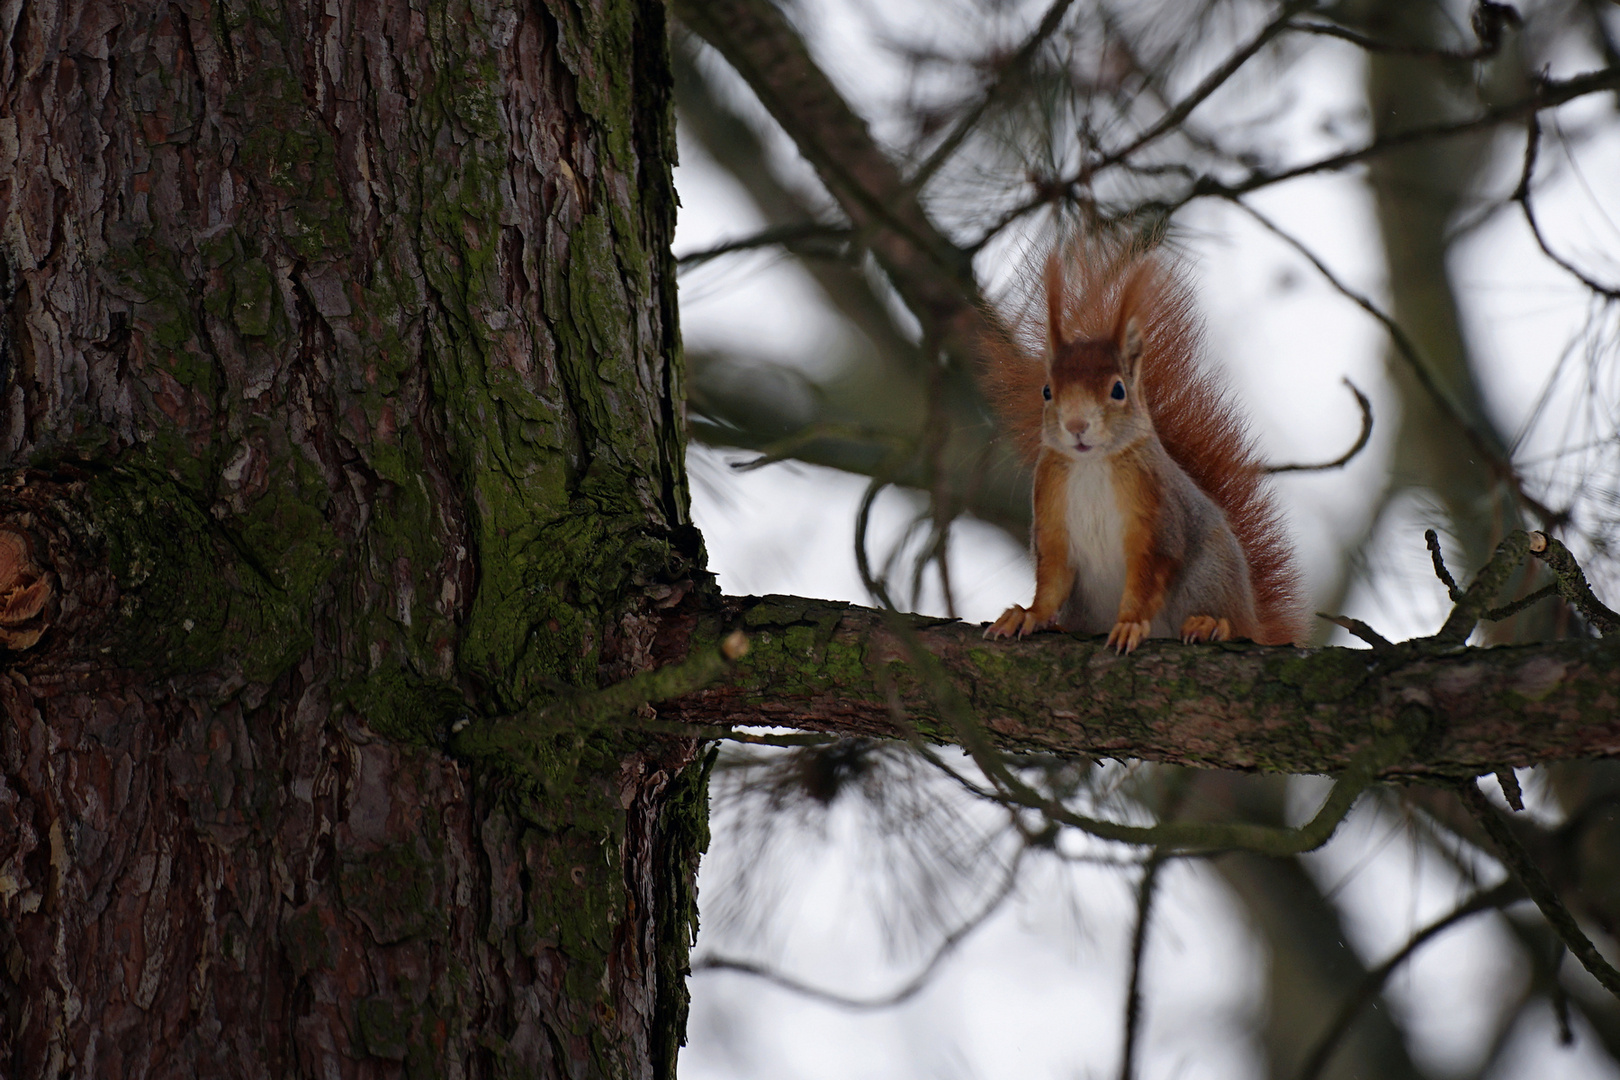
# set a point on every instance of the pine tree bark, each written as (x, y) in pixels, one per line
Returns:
(340, 375)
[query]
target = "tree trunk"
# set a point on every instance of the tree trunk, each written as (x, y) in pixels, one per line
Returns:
(340, 375)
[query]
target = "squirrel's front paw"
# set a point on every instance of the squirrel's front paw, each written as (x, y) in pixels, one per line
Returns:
(1197, 628)
(1127, 635)
(1017, 621)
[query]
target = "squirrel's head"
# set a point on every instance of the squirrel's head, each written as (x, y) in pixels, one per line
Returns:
(1093, 399)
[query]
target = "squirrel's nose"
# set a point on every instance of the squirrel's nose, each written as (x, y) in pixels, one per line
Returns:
(1077, 425)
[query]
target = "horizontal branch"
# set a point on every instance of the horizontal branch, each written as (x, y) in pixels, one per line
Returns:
(826, 666)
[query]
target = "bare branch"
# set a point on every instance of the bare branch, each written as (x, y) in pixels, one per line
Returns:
(1212, 82)
(1507, 611)
(1475, 601)
(1359, 629)
(1490, 21)
(1432, 538)
(1483, 445)
(794, 445)
(1572, 584)
(822, 666)
(1349, 455)
(1548, 93)
(1166, 837)
(1523, 868)
(1010, 73)
(1509, 782)
(1521, 195)
(1472, 605)
(932, 275)
(1370, 985)
(901, 994)
(1133, 995)
(790, 237)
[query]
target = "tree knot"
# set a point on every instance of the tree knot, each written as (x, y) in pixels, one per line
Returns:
(25, 590)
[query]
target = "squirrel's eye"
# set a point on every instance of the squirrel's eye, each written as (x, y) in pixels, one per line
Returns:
(1046, 391)
(1118, 393)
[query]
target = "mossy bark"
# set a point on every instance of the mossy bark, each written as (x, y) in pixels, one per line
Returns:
(341, 387)
(1459, 712)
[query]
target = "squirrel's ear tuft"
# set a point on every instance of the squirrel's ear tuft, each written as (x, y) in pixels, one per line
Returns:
(1130, 345)
(1055, 302)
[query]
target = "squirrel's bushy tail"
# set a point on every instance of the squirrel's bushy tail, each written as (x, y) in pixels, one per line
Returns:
(1103, 283)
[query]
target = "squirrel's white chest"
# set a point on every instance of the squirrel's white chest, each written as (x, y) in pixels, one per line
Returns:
(1096, 546)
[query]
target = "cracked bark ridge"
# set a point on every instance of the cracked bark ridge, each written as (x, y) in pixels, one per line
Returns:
(833, 667)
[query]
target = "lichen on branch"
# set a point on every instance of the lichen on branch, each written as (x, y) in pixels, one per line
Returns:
(827, 666)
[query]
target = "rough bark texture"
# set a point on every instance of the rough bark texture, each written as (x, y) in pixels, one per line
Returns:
(817, 664)
(340, 377)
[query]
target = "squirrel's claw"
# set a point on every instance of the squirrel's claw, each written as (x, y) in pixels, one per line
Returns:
(1016, 622)
(1010, 623)
(1196, 628)
(1127, 635)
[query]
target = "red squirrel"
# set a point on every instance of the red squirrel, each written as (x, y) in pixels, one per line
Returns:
(1152, 515)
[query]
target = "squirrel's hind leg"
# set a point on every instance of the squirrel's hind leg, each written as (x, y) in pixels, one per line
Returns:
(1195, 628)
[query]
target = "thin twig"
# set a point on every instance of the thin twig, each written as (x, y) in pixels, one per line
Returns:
(1507, 611)
(789, 447)
(875, 585)
(1518, 862)
(1007, 77)
(1490, 20)
(1358, 629)
(1572, 585)
(786, 235)
(1133, 996)
(1373, 982)
(1473, 604)
(1508, 780)
(901, 994)
(1475, 601)
(1547, 94)
(1349, 455)
(1493, 455)
(941, 508)
(1521, 195)
(1212, 82)
(1432, 538)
